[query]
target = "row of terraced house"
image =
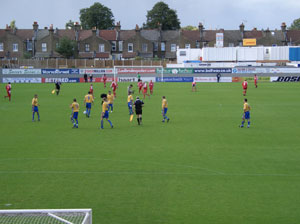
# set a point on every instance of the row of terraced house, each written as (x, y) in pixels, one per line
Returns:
(119, 44)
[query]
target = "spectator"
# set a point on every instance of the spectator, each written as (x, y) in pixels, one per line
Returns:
(85, 78)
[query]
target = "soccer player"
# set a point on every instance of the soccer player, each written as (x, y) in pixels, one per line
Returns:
(57, 87)
(104, 80)
(245, 86)
(110, 99)
(164, 109)
(35, 107)
(140, 85)
(138, 106)
(255, 80)
(194, 89)
(129, 103)
(92, 90)
(151, 85)
(145, 90)
(139, 77)
(88, 100)
(114, 87)
(75, 110)
(8, 91)
(105, 113)
(129, 89)
(246, 114)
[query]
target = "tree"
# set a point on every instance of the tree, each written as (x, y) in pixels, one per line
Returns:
(295, 25)
(66, 47)
(70, 24)
(98, 16)
(162, 15)
(12, 24)
(189, 27)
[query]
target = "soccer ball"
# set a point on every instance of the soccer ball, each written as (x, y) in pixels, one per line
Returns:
(84, 112)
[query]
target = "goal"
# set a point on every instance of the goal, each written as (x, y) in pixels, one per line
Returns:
(130, 72)
(46, 216)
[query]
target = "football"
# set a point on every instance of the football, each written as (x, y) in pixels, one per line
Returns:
(84, 112)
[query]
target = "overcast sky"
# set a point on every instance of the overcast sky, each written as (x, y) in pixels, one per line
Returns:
(213, 14)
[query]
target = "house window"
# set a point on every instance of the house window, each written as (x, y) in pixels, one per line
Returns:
(120, 45)
(101, 48)
(231, 45)
(87, 48)
(57, 45)
(173, 47)
(155, 46)
(197, 44)
(187, 46)
(130, 47)
(44, 47)
(15, 47)
(163, 46)
(1, 46)
(182, 53)
(113, 46)
(144, 47)
(29, 46)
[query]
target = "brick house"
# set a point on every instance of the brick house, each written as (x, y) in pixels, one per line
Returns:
(14, 43)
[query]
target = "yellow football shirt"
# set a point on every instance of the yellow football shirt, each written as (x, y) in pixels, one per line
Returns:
(246, 107)
(88, 98)
(75, 107)
(35, 102)
(104, 107)
(129, 99)
(110, 99)
(164, 104)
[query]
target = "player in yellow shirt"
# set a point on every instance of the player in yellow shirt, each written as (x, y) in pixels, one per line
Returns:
(110, 99)
(130, 103)
(105, 113)
(164, 109)
(35, 107)
(75, 109)
(88, 100)
(246, 114)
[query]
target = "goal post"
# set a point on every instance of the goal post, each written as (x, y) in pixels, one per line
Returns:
(133, 71)
(50, 216)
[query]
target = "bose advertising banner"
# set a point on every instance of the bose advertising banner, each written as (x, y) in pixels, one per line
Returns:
(285, 79)
(60, 71)
(22, 80)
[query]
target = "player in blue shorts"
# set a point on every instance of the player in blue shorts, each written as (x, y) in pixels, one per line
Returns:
(74, 116)
(88, 100)
(35, 107)
(246, 115)
(105, 113)
(164, 106)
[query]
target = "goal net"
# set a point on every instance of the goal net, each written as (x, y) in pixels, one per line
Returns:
(46, 216)
(130, 73)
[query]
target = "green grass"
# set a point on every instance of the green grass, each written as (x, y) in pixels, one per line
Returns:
(199, 168)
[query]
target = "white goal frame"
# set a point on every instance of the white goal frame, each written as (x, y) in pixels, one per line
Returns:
(141, 67)
(54, 213)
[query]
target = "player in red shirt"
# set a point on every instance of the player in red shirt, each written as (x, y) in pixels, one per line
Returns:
(145, 90)
(151, 87)
(245, 86)
(92, 90)
(255, 81)
(8, 90)
(114, 86)
(104, 80)
(140, 85)
(194, 87)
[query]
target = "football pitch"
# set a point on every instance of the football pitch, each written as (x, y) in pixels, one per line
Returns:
(198, 168)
